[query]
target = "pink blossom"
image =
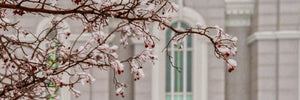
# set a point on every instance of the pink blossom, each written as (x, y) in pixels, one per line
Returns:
(234, 39)
(118, 66)
(75, 92)
(231, 64)
(86, 78)
(233, 51)
(120, 91)
(225, 51)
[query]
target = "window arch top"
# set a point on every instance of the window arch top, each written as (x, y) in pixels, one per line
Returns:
(181, 26)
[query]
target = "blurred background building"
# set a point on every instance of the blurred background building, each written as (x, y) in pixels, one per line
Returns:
(268, 56)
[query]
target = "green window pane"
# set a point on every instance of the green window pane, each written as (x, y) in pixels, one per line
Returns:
(174, 25)
(178, 76)
(54, 65)
(178, 61)
(189, 97)
(184, 25)
(54, 44)
(52, 57)
(189, 71)
(168, 97)
(178, 97)
(189, 41)
(52, 34)
(169, 33)
(168, 37)
(168, 75)
(189, 38)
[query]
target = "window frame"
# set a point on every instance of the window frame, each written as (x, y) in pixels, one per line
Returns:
(184, 72)
(191, 17)
(41, 27)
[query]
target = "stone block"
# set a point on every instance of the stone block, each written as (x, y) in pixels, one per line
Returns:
(216, 13)
(142, 96)
(216, 97)
(267, 8)
(288, 84)
(266, 27)
(288, 59)
(288, 95)
(101, 85)
(216, 87)
(267, 84)
(289, 7)
(266, 46)
(288, 46)
(100, 96)
(267, 59)
(267, 19)
(266, 95)
(216, 73)
(289, 19)
(267, 71)
(289, 27)
(216, 21)
(100, 74)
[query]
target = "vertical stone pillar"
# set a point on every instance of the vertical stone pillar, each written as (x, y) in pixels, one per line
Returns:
(238, 81)
(143, 87)
(125, 77)
(238, 16)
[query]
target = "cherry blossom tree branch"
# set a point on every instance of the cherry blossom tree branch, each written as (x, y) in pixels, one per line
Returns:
(29, 70)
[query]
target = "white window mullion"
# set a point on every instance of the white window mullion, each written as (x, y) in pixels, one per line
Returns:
(172, 69)
(298, 69)
(184, 69)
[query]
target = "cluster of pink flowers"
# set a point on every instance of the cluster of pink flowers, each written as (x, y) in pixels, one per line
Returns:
(31, 63)
(227, 46)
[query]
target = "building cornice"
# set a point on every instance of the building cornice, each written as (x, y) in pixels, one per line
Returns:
(238, 12)
(271, 35)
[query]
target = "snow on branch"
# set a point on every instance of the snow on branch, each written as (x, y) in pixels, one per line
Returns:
(29, 70)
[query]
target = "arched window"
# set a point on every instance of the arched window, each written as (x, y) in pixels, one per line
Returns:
(178, 83)
(191, 82)
(52, 60)
(43, 28)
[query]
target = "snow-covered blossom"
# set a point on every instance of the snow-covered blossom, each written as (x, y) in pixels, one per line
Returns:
(134, 66)
(100, 21)
(91, 61)
(104, 47)
(178, 40)
(231, 65)
(234, 39)
(5, 20)
(175, 7)
(147, 54)
(53, 2)
(150, 7)
(98, 35)
(225, 51)
(118, 66)
(97, 1)
(233, 51)
(113, 48)
(140, 74)
(86, 78)
(75, 92)
(120, 91)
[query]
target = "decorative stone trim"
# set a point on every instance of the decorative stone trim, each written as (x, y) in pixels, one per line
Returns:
(191, 17)
(136, 41)
(271, 35)
(238, 12)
